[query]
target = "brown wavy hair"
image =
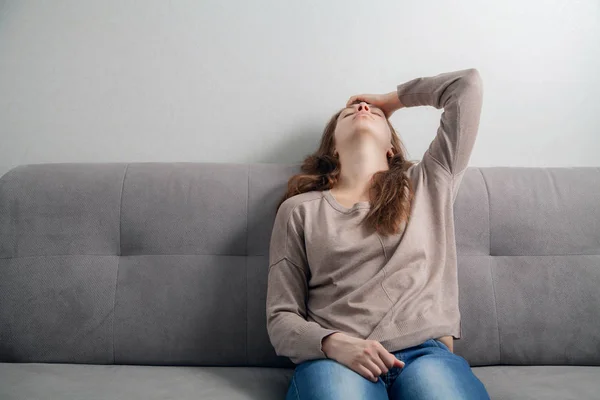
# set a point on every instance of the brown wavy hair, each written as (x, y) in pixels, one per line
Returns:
(391, 192)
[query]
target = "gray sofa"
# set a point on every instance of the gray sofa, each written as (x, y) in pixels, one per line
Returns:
(148, 281)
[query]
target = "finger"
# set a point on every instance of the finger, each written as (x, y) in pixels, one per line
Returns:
(398, 363)
(390, 359)
(365, 372)
(370, 364)
(386, 356)
(379, 361)
(358, 97)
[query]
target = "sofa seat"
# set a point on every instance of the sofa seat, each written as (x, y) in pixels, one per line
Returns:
(34, 381)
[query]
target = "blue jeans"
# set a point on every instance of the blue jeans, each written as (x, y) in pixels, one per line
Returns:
(431, 372)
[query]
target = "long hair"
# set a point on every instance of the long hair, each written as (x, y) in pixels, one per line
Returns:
(391, 191)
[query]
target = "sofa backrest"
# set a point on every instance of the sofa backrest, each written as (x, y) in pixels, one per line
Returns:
(166, 263)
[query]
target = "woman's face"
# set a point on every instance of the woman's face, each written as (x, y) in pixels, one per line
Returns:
(362, 119)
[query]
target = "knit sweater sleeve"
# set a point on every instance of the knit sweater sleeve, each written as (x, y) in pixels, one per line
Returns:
(460, 94)
(287, 291)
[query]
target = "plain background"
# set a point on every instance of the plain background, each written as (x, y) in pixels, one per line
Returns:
(256, 81)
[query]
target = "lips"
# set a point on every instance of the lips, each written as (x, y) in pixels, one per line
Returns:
(362, 113)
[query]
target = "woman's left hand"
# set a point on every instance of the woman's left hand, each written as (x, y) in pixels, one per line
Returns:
(388, 103)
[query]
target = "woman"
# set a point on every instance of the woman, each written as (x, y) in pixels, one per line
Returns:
(362, 284)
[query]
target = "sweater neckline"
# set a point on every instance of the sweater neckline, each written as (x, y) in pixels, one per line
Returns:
(335, 204)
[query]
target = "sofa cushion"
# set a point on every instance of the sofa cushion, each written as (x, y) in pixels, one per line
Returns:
(95, 382)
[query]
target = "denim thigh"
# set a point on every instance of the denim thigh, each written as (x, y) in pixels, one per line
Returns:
(433, 372)
(326, 379)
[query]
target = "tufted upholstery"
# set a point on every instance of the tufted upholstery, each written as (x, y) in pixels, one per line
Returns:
(165, 264)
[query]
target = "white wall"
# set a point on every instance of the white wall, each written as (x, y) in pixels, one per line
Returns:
(256, 81)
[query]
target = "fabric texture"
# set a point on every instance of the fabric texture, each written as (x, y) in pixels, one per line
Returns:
(432, 371)
(329, 273)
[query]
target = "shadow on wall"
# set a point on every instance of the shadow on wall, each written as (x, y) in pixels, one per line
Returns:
(295, 144)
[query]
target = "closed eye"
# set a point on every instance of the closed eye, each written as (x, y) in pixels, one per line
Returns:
(377, 112)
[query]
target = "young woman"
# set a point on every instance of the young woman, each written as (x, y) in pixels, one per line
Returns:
(362, 284)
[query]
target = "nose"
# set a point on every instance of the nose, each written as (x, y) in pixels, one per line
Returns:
(363, 106)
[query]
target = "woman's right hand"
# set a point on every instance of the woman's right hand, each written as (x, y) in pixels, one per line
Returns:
(367, 357)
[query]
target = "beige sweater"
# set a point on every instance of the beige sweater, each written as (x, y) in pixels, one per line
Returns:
(328, 273)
